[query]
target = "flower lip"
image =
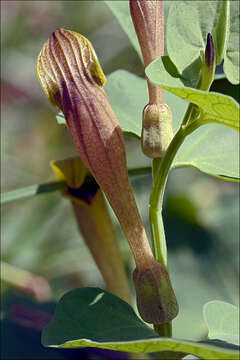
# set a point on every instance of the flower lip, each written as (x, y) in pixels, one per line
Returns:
(67, 60)
(86, 192)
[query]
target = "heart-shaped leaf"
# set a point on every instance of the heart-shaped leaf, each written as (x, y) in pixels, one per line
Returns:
(188, 24)
(91, 317)
(214, 107)
(211, 149)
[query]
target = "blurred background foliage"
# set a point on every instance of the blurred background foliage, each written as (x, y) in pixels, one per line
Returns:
(40, 235)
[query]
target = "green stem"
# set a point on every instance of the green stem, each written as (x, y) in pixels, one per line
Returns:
(156, 198)
(33, 190)
(160, 173)
(164, 330)
(30, 191)
(158, 236)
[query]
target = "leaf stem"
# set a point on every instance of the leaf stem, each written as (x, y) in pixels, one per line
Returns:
(156, 198)
(164, 330)
(160, 171)
(38, 189)
(30, 191)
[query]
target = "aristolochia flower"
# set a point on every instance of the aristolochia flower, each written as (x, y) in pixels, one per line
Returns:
(73, 81)
(94, 222)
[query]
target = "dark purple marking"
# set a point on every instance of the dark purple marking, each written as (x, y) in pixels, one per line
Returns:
(87, 191)
(209, 52)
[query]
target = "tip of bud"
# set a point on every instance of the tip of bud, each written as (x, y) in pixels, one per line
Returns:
(209, 52)
(156, 301)
(67, 60)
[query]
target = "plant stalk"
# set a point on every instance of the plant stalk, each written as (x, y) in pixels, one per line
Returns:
(161, 168)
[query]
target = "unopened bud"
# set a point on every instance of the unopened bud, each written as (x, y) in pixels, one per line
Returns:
(157, 130)
(156, 301)
(210, 53)
(148, 20)
(208, 66)
(147, 17)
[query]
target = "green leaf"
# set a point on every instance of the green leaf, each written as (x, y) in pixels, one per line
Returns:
(222, 320)
(188, 24)
(128, 95)
(91, 317)
(231, 60)
(211, 149)
(214, 107)
(122, 12)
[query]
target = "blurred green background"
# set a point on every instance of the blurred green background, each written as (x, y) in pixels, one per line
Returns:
(40, 235)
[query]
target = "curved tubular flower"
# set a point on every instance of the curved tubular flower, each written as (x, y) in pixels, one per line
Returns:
(94, 222)
(73, 81)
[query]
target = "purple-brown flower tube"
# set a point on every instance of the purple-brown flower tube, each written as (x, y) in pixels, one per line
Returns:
(94, 222)
(157, 131)
(73, 81)
(148, 20)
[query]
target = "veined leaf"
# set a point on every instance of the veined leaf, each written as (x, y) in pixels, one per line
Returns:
(214, 107)
(211, 149)
(79, 319)
(188, 24)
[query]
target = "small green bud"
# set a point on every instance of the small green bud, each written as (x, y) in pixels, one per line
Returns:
(157, 131)
(156, 301)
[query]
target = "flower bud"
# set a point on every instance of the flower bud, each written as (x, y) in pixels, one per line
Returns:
(156, 300)
(210, 54)
(94, 222)
(148, 20)
(157, 131)
(73, 81)
(208, 66)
